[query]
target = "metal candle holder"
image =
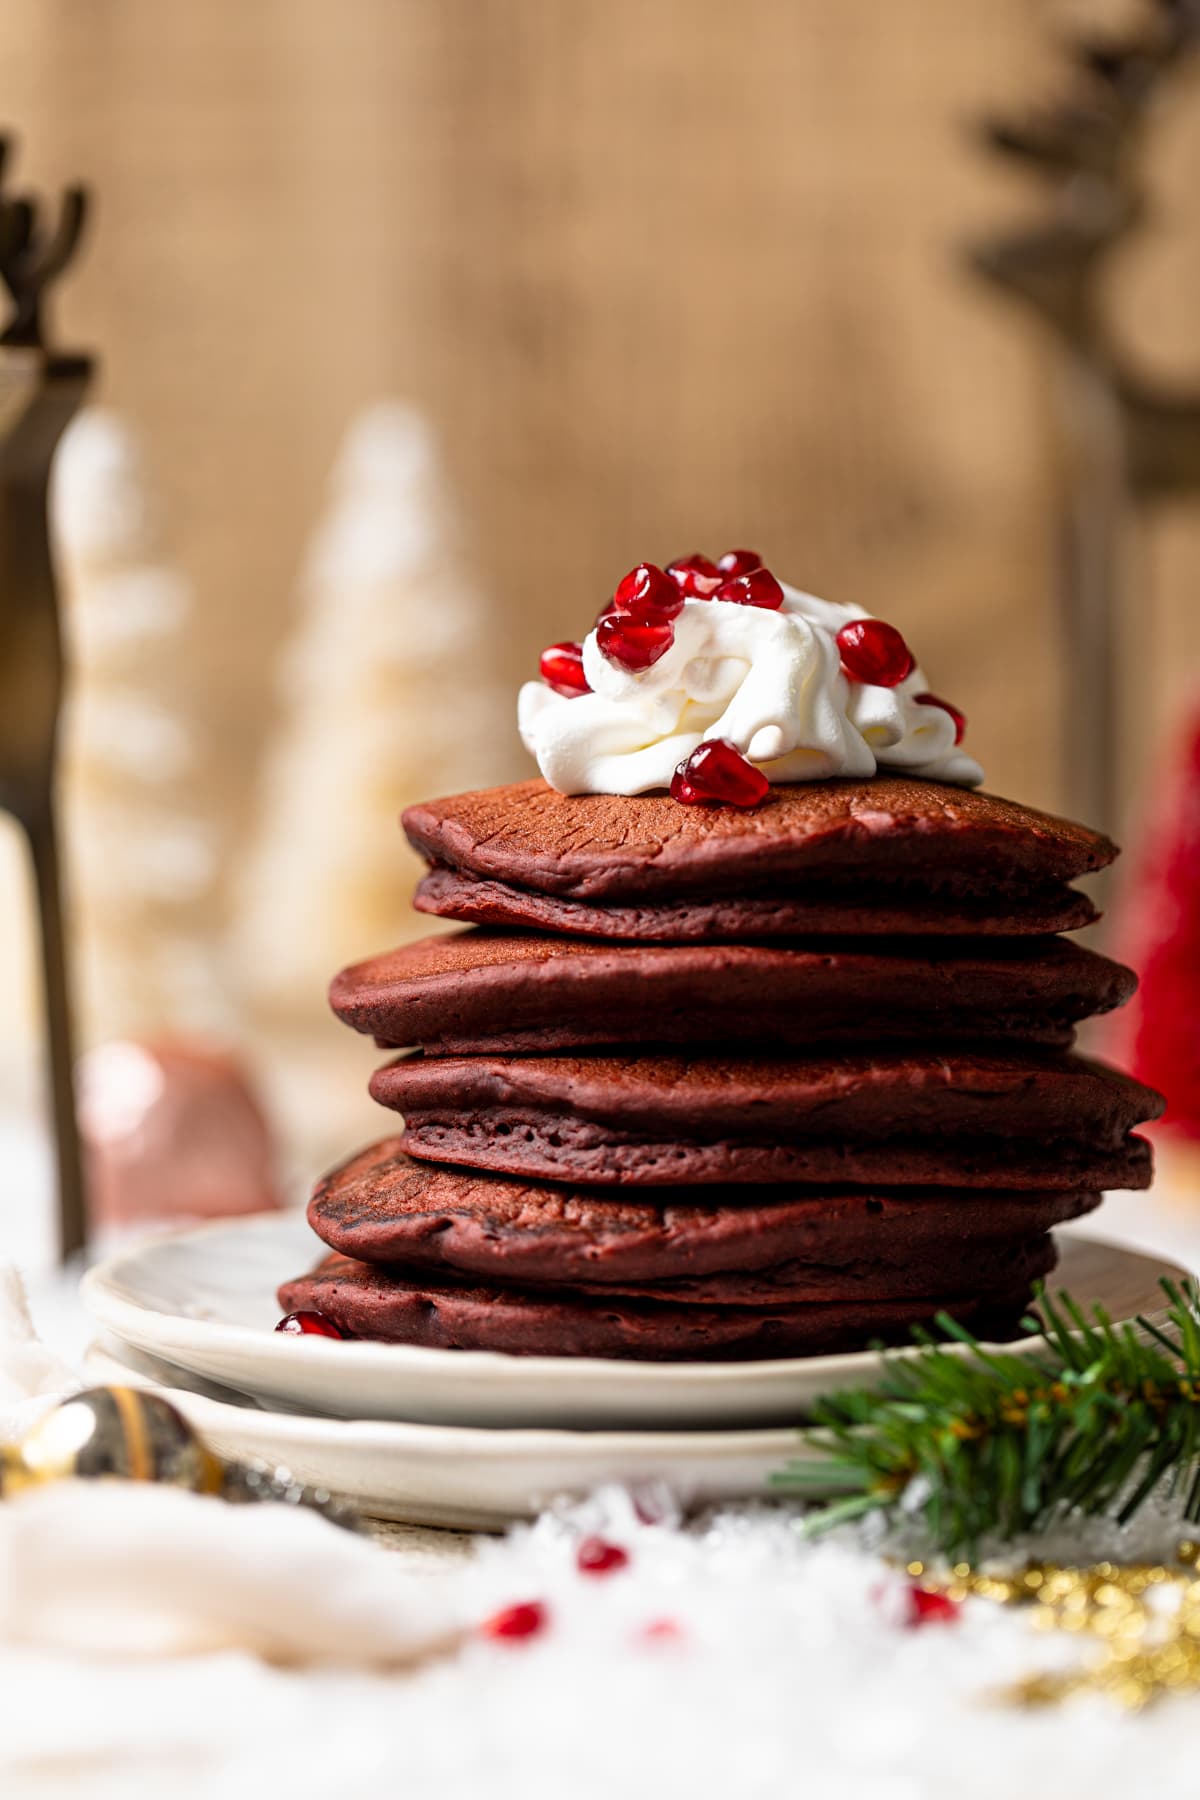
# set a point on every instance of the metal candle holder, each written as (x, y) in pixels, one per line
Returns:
(40, 390)
(1122, 443)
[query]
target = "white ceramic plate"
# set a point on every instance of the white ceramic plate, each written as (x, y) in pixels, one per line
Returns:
(455, 1475)
(205, 1301)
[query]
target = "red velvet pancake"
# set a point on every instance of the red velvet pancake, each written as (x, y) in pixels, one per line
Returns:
(482, 991)
(918, 851)
(859, 911)
(381, 1207)
(408, 1308)
(1020, 1120)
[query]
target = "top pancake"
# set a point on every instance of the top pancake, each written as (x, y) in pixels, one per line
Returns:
(932, 857)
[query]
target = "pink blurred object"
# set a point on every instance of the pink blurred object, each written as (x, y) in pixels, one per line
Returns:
(172, 1131)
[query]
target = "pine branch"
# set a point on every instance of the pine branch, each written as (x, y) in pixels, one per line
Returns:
(995, 1444)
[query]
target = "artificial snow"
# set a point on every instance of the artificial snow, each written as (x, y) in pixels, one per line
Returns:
(791, 1671)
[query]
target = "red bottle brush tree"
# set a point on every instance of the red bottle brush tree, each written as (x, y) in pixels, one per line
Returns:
(1160, 936)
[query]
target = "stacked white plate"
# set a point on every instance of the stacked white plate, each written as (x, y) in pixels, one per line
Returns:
(470, 1438)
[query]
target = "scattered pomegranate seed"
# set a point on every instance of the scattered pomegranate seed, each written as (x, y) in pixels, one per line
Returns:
(960, 719)
(524, 1620)
(874, 653)
(717, 770)
(596, 1556)
(739, 562)
(757, 588)
(660, 1631)
(697, 577)
(309, 1324)
(648, 594)
(925, 1607)
(561, 668)
(632, 644)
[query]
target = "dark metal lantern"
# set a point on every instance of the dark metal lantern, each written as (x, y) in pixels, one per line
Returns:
(40, 390)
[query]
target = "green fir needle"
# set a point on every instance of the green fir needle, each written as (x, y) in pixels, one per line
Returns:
(995, 1445)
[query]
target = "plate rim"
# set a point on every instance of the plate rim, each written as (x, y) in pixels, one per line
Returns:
(489, 1440)
(120, 1315)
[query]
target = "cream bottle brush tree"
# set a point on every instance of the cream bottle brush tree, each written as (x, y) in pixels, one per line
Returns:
(142, 855)
(387, 695)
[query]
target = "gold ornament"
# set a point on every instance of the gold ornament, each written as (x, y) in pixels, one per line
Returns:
(119, 1431)
(132, 1435)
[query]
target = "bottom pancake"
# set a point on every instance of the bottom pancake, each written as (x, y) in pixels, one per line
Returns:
(403, 1307)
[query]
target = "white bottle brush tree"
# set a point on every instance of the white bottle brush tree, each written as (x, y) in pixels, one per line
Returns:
(388, 695)
(142, 857)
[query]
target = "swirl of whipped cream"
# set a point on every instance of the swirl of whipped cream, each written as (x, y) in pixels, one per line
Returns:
(770, 682)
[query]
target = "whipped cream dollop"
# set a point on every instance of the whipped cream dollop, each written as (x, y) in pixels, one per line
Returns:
(770, 683)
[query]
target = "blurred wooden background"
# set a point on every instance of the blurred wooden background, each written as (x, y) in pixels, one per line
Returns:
(667, 273)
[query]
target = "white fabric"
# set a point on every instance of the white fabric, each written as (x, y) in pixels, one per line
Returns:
(132, 1567)
(30, 1375)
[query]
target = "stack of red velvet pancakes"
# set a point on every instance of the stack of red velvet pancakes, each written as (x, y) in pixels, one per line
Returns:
(702, 1082)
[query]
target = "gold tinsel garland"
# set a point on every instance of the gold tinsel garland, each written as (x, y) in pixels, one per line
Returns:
(1145, 1617)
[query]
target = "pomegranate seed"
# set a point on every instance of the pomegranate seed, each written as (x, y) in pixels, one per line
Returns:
(697, 577)
(960, 719)
(927, 1608)
(561, 668)
(632, 644)
(717, 770)
(757, 588)
(874, 653)
(596, 1556)
(648, 594)
(739, 562)
(524, 1620)
(660, 1631)
(309, 1324)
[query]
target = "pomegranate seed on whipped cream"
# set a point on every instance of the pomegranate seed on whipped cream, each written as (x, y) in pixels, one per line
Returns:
(715, 771)
(739, 562)
(561, 668)
(875, 653)
(960, 719)
(698, 577)
(758, 588)
(801, 689)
